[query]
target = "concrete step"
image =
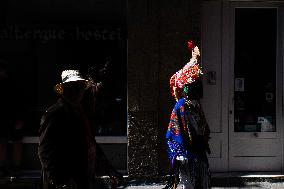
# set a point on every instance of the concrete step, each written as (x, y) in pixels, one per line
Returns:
(248, 179)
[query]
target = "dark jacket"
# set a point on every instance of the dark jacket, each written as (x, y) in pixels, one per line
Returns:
(63, 148)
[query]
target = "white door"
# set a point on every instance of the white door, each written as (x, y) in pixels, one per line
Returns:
(253, 52)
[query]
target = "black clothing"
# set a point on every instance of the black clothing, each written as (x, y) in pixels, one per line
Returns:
(63, 148)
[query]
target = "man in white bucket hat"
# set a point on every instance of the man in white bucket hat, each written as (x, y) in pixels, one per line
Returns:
(66, 145)
(68, 150)
(71, 78)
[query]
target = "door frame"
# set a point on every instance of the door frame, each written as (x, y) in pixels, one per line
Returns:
(228, 70)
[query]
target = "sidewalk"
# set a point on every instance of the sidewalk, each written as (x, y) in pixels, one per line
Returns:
(219, 181)
(234, 181)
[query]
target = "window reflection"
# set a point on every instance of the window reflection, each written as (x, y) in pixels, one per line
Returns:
(255, 69)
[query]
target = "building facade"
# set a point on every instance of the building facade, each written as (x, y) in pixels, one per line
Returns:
(241, 45)
(242, 54)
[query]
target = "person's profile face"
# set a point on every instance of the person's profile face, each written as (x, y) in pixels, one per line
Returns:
(195, 90)
(74, 90)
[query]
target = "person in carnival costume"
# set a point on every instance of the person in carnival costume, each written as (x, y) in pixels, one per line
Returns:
(188, 132)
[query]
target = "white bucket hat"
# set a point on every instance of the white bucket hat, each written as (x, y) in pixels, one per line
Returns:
(70, 76)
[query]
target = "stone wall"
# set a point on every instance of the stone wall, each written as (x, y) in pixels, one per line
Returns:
(157, 35)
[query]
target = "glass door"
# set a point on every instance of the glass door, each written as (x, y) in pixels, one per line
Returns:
(255, 70)
(255, 120)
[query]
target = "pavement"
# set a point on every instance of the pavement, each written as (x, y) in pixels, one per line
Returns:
(231, 182)
(219, 181)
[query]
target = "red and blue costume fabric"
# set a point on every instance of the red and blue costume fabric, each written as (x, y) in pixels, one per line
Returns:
(187, 136)
(178, 135)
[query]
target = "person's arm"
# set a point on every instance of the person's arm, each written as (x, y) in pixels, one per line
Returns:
(206, 131)
(49, 151)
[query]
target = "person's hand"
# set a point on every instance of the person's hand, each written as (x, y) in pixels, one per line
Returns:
(19, 124)
(182, 159)
(114, 182)
(195, 52)
(116, 179)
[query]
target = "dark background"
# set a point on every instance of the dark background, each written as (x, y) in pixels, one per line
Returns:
(39, 39)
(157, 32)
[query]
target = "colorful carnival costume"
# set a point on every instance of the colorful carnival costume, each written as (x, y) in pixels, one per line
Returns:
(188, 132)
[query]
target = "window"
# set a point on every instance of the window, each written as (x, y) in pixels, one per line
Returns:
(255, 69)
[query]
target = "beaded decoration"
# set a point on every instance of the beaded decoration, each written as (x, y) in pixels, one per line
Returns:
(188, 74)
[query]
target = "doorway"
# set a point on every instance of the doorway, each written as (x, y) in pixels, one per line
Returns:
(255, 39)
